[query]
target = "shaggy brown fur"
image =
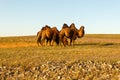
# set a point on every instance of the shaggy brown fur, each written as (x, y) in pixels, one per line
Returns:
(72, 26)
(66, 32)
(77, 33)
(71, 32)
(44, 34)
(55, 36)
(48, 34)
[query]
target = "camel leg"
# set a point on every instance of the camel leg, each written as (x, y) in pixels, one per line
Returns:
(43, 41)
(50, 42)
(60, 39)
(60, 43)
(46, 42)
(64, 44)
(70, 41)
(38, 41)
(73, 42)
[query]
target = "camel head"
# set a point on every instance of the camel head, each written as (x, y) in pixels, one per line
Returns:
(81, 32)
(82, 28)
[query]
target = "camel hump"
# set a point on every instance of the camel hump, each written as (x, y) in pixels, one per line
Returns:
(65, 26)
(54, 29)
(72, 26)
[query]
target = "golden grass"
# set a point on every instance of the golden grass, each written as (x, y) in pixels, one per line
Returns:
(13, 42)
(24, 50)
(14, 45)
(94, 57)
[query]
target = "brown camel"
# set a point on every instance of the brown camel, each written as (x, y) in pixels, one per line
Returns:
(77, 33)
(51, 35)
(71, 32)
(48, 34)
(44, 34)
(66, 32)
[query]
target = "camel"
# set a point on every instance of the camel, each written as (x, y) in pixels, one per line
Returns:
(71, 32)
(51, 35)
(48, 34)
(66, 32)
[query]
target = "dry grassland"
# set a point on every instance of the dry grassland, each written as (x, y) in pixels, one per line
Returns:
(94, 57)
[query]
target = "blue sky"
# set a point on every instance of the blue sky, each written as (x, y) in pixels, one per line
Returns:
(26, 17)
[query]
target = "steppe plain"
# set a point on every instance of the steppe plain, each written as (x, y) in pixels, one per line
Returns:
(93, 57)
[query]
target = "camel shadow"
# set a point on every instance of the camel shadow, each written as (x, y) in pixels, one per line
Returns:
(94, 44)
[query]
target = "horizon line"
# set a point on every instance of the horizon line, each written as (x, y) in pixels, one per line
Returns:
(85, 34)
